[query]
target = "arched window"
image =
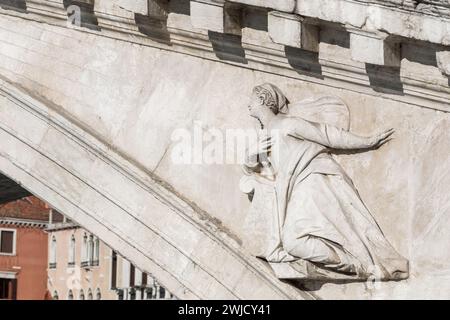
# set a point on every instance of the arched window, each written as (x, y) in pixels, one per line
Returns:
(52, 263)
(149, 293)
(81, 295)
(84, 251)
(55, 295)
(96, 255)
(162, 293)
(90, 296)
(70, 295)
(98, 295)
(91, 249)
(120, 294)
(72, 251)
(132, 293)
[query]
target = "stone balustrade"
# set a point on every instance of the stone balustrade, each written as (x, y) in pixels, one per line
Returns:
(377, 29)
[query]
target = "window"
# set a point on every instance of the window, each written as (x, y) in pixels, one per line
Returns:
(144, 279)
(98, 295)
(81, 295)
(90, 296)
(70, 295)
(149, 292)
(162, 293)
(113, 269)
(72, 252)
(120, 294)
(8, 289)
(132, 294)
(52, 262)
(7, 241)
(91, 249)
(55, 295)
(132, 275)
(84, 252)
(96, 260)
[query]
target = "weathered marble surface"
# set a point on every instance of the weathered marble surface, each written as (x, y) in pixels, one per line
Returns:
(133, 95)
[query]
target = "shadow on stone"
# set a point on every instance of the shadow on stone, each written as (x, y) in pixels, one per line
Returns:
(227, 47)
(315, 285)
(255, 19)
(87, 16)
(10, 190)
(425, 55)
(304, 62)
(357, 151)
(153, 27)
(180, 7)
(16, 5)
(385, 79)
(335, 37)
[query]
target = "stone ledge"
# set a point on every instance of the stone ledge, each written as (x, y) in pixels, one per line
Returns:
(396, 21)
(429, 92)
(280, 5)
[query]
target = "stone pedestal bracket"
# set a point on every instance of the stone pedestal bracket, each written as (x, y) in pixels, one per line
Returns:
(216, 15)
(374, 48)
(291, 30)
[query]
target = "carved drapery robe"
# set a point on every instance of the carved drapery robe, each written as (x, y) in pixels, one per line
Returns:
(312, 198)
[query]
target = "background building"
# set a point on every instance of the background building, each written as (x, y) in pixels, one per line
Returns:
(43, 255)
(23, 250)
(82, 267)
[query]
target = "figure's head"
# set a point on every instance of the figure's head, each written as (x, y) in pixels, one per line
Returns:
(267, 97)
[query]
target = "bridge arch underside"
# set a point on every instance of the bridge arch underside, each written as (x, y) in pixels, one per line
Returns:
(52, 158)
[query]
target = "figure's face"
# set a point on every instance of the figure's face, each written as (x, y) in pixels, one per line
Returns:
(255, 106)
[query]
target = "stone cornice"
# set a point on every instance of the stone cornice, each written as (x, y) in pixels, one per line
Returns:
(61, 226)
(22, 223)
(401, 21)
(177, 34)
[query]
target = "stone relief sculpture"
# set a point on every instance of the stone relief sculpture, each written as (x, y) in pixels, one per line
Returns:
(307, 218)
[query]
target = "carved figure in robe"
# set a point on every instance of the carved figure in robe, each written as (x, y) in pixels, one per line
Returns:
(305, 207)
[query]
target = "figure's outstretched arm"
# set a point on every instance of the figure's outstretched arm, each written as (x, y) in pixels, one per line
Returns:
(333, 137)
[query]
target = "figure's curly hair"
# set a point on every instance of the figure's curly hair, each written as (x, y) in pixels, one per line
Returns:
(266, 98)
(272, 97)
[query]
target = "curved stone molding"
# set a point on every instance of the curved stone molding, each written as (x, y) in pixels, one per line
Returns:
(85, 179)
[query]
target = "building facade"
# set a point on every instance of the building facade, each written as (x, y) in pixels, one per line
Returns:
(82, 267)
(23, 250)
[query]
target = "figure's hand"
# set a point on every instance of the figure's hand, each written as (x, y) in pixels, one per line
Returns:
(381, 138)
(262, 147)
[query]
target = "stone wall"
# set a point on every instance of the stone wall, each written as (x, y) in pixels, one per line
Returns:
(133, 89)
